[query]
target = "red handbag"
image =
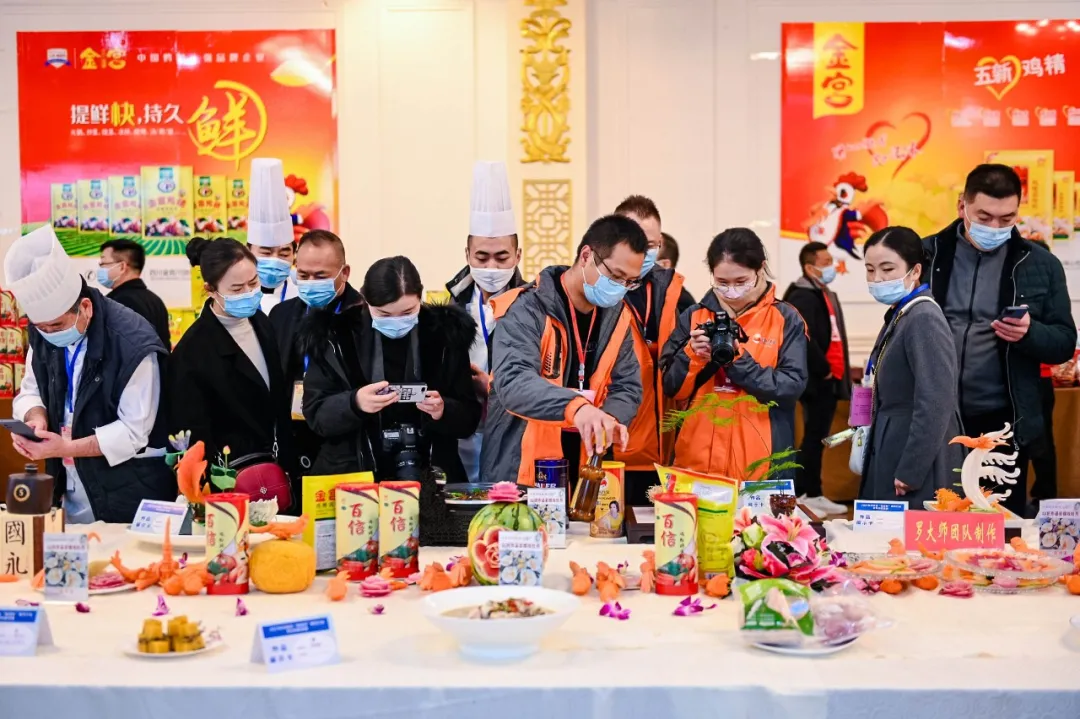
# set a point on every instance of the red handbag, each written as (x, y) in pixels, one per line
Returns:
(263, 479)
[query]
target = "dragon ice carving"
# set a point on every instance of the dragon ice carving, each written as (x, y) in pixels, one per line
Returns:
(984, 463)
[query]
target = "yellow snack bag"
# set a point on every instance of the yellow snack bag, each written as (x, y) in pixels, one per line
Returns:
(718, 498)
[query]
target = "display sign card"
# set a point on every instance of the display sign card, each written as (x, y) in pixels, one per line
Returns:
(954, 530)
(879, 516)
(1059, 526)
(152, 515)
(755, 495)
(550, 504)
(23, 630)
(66, 561)
(296, 644)
(521, 558)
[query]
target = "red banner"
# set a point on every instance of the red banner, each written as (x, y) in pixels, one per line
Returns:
(954, 530)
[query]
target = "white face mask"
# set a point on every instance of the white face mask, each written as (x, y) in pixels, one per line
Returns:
(491, 280)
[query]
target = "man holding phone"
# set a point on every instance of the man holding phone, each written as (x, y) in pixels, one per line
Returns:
(1008, 306)
(92, 388)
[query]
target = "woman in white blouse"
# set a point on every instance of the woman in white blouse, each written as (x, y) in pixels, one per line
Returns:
(225, 382)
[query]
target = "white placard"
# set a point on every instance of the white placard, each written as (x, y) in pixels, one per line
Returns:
(151, 516)
(879, 516)
(296, 644)
(23, 630)
(550, 504)
(66, 559)
(521, 558)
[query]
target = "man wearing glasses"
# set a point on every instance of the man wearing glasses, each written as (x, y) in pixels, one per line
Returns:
(565, 380)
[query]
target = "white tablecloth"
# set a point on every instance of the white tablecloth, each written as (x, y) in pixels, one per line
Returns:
(986, 657)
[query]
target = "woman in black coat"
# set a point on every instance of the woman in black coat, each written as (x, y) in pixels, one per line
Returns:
(225, 382)
(393, 339)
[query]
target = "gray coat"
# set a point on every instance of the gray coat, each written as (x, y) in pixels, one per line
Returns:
(915, 408)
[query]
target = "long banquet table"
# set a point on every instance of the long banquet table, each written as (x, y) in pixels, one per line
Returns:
(987, 657)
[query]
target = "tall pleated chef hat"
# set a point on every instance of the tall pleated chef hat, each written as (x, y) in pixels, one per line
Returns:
(269, 221)
(491, 213)
(41, 276)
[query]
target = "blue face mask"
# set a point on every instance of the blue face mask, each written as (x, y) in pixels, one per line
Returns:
(605, 293)
(317, 293)
(64, 338)
(395, 327)
(243, 305)
(272, 271)
(889, 292)
(828, 274)
(103, 278)
(986, 238)
(650, 261)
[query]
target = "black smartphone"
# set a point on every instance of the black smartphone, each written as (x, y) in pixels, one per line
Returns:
(1013, 313)
(20, 428)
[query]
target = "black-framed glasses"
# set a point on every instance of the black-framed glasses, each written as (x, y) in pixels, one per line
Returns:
(630, 285)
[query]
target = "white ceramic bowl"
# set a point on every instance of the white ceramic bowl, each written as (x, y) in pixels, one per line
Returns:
(499, 639)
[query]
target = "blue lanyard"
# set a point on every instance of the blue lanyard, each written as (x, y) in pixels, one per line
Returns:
(69, 367)
(480, 311)
(337, 311)
(284, 287)
(899, 306)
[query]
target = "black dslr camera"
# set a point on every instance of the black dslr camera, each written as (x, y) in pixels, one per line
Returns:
(401, 445)
(723, 332)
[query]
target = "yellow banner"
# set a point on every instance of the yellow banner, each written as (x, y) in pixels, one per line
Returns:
(839, 68)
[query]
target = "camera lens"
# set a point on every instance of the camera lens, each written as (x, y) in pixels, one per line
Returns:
(407, 464)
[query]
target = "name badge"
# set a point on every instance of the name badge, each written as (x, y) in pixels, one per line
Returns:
(298, 401)
(151, 515)
(879, 516)
(66, 560)
(296, 644)
(23, 630)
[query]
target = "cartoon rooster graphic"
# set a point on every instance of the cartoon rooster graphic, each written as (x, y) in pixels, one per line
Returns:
(305, 217)
(838, 224)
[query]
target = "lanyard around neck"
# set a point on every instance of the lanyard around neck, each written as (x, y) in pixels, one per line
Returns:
(577, 335)
(643, 321)
(480, 311)
(69, 367)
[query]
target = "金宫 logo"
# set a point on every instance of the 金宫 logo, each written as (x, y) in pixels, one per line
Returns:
(57, 57)
(165, 180)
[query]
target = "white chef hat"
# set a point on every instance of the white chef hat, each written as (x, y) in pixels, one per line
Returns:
(41, 275)
(491, 214)
(269, 221)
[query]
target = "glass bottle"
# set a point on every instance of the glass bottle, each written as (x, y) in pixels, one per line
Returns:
(583, 505)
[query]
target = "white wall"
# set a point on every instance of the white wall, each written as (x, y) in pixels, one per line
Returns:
(682, 104)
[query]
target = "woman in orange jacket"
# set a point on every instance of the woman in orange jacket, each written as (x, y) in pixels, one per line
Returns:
(763, 357)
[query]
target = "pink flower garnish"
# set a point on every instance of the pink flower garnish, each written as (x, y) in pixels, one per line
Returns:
(26, 603)
(241, 608)
(375, 586)
(957, 589)
(505, 492)
(688, 607)
(183, 560)
(743, 519)
(82, 608)
(615, 611)
(793, 530)
(377, 610)
(623, 566)
(415, 577)
(162, 608)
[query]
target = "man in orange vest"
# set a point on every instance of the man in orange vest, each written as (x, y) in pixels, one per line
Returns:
(565, 379)
(656, 305)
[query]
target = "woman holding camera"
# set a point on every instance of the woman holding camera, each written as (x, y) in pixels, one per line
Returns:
(739, 344)
(913, 371)
(224, 381)
(368, 364)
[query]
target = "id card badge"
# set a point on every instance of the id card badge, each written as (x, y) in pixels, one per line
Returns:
(298, 401)
(65, 432)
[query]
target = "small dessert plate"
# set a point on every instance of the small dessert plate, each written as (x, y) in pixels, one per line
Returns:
(813, 650)
(132, 650)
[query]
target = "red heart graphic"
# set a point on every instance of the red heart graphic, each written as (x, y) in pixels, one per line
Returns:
(918, 145)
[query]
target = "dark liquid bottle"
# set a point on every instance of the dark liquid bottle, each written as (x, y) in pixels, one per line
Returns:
(30, 492)
(583, 505)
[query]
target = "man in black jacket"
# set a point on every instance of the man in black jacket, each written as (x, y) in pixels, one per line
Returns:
(323, 284)
(120, 271)
(92, 388)
(977, 267)
(827, 364)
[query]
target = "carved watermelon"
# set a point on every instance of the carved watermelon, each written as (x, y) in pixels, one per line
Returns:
(484, 535)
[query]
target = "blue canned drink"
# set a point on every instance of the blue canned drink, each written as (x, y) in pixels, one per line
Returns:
(551, 473)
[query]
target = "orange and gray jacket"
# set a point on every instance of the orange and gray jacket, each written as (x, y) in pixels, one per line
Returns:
(771, 367)
(529, 405)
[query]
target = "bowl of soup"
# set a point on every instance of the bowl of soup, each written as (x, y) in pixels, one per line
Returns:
(499, 623)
